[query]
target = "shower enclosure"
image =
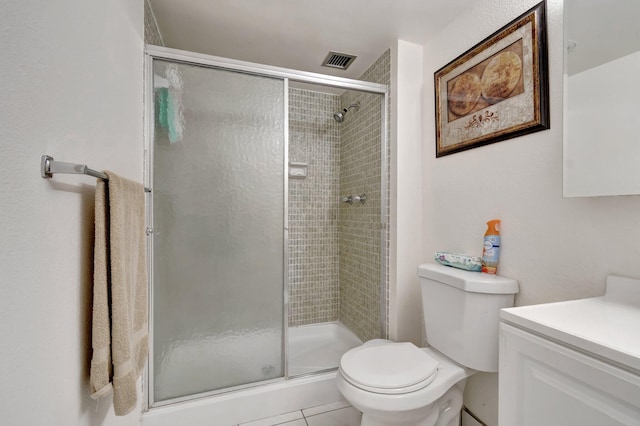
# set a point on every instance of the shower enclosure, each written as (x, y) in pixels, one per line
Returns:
(260, 268)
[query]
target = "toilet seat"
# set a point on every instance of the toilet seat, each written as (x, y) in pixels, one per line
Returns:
(388, 368)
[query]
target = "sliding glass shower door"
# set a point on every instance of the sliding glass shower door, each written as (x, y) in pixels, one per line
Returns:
(218, 216)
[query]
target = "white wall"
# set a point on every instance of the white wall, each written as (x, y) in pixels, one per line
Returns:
(593, 149)
(557, 248)
(406, 193)
(70, 87)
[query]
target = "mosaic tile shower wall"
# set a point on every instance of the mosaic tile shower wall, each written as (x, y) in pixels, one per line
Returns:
(359, 225)
(151, 31)
(313, 208)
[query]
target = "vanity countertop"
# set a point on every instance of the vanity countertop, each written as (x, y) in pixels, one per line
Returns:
(607, 327)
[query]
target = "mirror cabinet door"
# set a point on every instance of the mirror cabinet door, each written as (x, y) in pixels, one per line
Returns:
(602, 98)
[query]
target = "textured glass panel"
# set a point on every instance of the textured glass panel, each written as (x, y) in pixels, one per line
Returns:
(218, 205)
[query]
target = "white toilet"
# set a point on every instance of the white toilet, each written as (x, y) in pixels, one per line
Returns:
(401, 384)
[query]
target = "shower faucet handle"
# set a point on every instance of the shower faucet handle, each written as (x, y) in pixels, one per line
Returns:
(362, 198)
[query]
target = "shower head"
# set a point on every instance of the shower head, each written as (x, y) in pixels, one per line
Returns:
(339, 116)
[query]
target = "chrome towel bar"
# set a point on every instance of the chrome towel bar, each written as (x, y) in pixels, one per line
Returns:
(48, 167)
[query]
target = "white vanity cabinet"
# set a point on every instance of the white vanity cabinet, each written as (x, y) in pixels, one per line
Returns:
(572, 363)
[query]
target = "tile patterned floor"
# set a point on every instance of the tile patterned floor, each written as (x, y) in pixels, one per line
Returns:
(335, 414)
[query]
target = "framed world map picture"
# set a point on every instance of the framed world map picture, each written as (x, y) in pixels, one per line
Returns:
(496, 90)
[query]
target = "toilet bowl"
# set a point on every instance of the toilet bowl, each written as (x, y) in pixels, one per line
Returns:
(389, 397)
(397, 383)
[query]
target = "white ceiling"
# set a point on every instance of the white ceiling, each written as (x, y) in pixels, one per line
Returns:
(298, 34)
(603, 30)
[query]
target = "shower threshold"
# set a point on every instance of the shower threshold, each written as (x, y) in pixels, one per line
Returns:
(318, 347)
(312, 348)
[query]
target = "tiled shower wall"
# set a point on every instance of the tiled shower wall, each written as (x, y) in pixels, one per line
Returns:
(334, 248)
(359, 227)
(151, 31)
(313, 208)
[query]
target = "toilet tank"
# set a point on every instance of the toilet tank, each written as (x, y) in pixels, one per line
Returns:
(461, 311)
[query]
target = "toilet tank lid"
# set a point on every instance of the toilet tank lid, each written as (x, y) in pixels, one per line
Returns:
(475, 282)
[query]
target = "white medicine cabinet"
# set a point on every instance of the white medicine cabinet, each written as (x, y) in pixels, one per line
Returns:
(601, 98)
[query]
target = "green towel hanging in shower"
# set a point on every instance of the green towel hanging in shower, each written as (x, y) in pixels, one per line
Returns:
(167, 114)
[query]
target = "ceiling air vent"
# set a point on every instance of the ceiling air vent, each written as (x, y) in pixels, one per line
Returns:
(338, 60)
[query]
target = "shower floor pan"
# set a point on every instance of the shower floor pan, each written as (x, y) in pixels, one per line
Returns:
(318, 347)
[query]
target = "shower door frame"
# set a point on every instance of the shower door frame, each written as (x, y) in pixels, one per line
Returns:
(286, 75)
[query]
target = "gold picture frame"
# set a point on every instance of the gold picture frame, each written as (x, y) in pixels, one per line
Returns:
(497, 90)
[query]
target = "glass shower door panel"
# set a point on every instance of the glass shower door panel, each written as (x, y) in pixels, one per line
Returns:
(218, 217)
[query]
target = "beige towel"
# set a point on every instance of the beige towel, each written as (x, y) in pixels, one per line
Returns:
(119, 329)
